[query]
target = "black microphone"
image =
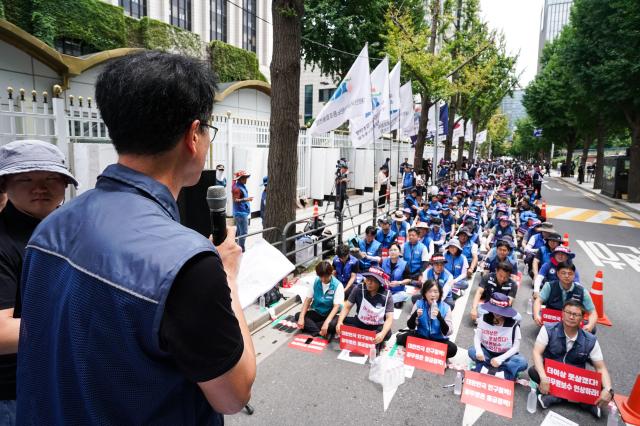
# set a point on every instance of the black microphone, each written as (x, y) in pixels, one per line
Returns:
(217, 201)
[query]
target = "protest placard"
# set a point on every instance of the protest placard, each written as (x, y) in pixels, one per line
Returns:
(426, 355)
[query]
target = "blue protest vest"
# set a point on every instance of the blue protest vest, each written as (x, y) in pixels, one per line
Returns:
(424, 216)
(323, 302)
(242, 208)
(385, 240)
(500, 231)
(442, 279)
(428, 327)
(372, 249)
(437, 236)
(550, 273)
(413, 256)
(409, 203)
(408, 180)
(402, 230)
(447, 222)
(467, 252)
(545, 254)
(97, 273)
(557, 347)
(344, 270)
(454, 264)
(555, 296)
(395, 272)
(435, 205)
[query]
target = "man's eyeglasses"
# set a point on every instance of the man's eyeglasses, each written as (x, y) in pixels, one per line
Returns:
(573, 314)
(213, 131)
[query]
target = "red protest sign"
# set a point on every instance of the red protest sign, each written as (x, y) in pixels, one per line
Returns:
(553, 315)
(401, 240)
(488, 392)
(356, 340)
(426, 355)
(314, 345)
(385, 253)
(573, 383)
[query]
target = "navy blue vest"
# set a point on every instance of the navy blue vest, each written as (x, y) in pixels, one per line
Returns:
(555, 296)
(395, 273)
(557, 347)
(242, 208)
(413, 256)
(385, 240)
(97, 273)
(344, 270)
(430, 327)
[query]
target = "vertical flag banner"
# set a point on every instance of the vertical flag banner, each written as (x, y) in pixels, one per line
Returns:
(481, 137)
(394, 98)
(407, 121)
(468, 136)
(352, 98)
(367, 128)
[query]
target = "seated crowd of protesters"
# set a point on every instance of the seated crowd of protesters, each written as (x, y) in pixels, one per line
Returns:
(426, 255)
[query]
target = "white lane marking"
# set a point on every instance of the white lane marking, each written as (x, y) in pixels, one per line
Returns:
(600, 217)
(591, 255)
(572, 213)
(552, 188)
(552, 208)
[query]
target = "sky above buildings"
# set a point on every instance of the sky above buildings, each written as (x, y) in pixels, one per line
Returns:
(519, 20)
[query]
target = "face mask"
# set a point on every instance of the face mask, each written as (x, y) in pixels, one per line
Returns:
(219, 174)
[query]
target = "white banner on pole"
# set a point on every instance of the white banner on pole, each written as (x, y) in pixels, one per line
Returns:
(468, 136)
(365, 129)
(458, 130)
(394, 98)
(481, 137)
(352, 98)
(407, 121)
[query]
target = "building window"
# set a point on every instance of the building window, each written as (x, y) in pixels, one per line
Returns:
(325, 94)
(181, 14)
(73, 47)
(308, 102)
(134, 8)
(218, 20)
(249, 22)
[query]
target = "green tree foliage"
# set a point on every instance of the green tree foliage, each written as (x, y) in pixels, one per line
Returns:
(527, 146)
(497, 133)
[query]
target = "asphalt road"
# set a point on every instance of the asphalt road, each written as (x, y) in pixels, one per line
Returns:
(295, 387)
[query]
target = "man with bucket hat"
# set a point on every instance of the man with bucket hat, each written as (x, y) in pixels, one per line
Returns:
(496, 343)
(241, 205)
(34, 176)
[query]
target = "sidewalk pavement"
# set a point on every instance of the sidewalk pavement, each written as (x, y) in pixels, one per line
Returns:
(588, 187)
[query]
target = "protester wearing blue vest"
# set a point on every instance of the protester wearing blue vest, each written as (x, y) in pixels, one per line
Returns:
(469, 250)
(128, 316)
(415, 254)
(423, 213)
(439, 274)
(496, 342)
(396, 267)
(411, 203)
(457, 265)
(566, 342)
(448, 221)
(318, 314)
(369, 249)
(437, 234)
(548, 271)
(555, 293)
(430, 319)
(424, 237)
(399, 225)
(263, 199)
(503, 228)
(502, 252)
(385, 235)
(346, 268)
(241, 205)
(543, 255)
(408, 179)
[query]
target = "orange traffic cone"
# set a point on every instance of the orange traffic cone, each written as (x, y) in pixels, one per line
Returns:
(543, 211)
(565, 240)
(598, 299)
(315, 209)
(629, 406)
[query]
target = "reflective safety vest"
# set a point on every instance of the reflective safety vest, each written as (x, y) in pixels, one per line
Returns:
(323, 301)
(430, 327)
(413, 256)
(344, 270)
(557, 347)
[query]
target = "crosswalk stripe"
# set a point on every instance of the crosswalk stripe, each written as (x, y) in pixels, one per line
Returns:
(604, 217)
(598, 218)
(587, 214)
(571, 213)
(558, 210)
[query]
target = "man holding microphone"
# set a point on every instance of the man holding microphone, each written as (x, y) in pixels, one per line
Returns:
(129, 317)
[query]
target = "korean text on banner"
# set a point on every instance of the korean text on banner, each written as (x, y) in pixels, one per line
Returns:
(407, 121)
(573, 383)
(426, 355)
(352, 98)
(356, 340)
(553, 315)
(366, 128)
(488, 392)
(394, 97)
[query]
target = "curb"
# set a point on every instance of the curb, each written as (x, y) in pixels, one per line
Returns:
(602, 197)
(264, 319)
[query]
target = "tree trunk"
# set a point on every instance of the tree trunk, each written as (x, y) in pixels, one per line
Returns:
(586, 144)
(472, 147)
(448, 144)
(422, 131)
(284, 128)
(571, 144)
(634, 166)
(460, 150)
(602, 140)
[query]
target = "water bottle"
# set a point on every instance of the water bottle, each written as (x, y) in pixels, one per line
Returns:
(532, 400)
(457, 387)
(612, 417)
(372, 353)
(262, 302)
(530, 306)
